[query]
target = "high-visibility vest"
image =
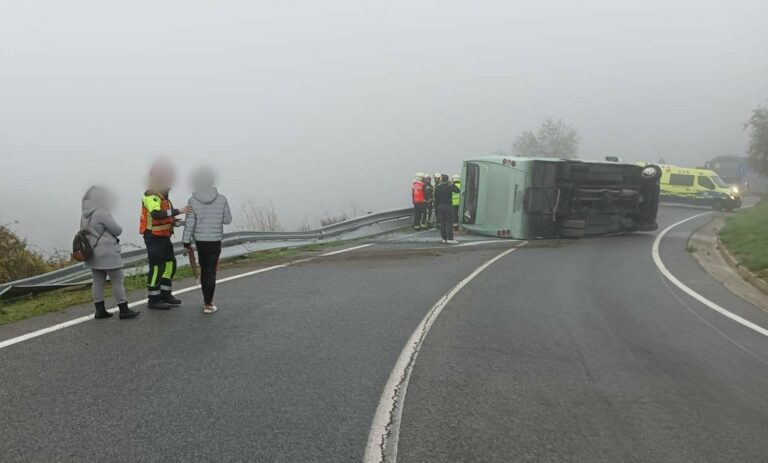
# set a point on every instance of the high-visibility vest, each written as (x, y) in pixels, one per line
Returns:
(456, 197)
(158, 227)
(417, 191)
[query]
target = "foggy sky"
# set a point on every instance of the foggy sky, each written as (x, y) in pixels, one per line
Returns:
(320, 105)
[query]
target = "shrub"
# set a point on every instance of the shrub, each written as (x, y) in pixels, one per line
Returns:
(17, 261)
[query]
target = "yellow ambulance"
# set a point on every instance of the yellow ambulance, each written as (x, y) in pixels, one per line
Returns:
(697, 186)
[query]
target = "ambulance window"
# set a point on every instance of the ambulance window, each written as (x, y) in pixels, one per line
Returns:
(681, 180)
(471, 190)
(706, 183)
(719, 181)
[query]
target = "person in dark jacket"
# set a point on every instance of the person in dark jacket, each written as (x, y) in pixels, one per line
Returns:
(444, 205)
(205, 226)
(105, 261)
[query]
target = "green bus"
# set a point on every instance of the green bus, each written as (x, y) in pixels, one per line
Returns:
(529, 198)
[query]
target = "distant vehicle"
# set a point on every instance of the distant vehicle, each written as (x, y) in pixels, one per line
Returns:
(699, 187)
(526, 198)
(737, 171)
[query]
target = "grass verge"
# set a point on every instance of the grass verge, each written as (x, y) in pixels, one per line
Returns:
(745, 235)
(56, 301)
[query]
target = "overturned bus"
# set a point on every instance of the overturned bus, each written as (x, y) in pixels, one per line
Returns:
(528, 198)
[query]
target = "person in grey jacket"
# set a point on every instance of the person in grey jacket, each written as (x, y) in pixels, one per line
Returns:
(105, 261)
(205, 226)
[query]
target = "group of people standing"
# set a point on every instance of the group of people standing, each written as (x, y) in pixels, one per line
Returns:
(436, 204)
(206, 213)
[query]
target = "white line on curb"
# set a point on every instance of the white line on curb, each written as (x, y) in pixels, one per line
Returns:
(77, 321)
(663, 269)
(385, 428)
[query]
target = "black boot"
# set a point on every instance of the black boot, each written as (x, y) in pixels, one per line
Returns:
(126, 312)
(155, 303)
(168, 298)
(101, 310)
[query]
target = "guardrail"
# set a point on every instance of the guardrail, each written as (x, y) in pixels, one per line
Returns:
(79, 274)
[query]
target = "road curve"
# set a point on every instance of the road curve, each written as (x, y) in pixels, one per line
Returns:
(561, 351)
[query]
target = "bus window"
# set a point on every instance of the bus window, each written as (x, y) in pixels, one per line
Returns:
(471, 191)
(681, 180)
(706, 182)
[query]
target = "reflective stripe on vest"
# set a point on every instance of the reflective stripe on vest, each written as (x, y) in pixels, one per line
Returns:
(456, 198)
(417, 192)
(158, 227)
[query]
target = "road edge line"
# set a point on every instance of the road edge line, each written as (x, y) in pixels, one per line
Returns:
(385, 426)
(690, 292)
(85, 318)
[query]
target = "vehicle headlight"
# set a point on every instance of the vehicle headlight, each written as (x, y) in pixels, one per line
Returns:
(735, 189)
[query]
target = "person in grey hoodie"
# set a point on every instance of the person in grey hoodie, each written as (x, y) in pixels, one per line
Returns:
(105, 261)
(205, 226)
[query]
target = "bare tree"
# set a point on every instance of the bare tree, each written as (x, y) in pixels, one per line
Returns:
(554, 139)
(758, 140)
(254, 217)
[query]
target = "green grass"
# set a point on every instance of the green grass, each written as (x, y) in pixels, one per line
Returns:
(745, 235)
(57, 301)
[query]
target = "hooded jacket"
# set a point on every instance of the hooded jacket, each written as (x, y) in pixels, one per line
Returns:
(97, 219)
(210, 212)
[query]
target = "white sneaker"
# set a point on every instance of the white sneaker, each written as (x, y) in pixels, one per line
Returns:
(445, 241)
(210, 309)
(452, 242)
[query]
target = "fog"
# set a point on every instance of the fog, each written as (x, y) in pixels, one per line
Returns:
(332, 106)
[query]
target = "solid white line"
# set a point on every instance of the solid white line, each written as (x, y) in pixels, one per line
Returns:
(663, 269)
(83, 319)
(385, 427)
(477, 243)
(346, 250)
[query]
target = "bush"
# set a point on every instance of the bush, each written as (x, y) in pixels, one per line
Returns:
(17, 261)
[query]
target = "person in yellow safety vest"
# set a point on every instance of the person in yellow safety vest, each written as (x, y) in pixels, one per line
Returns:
(156, 225)
(455, 200)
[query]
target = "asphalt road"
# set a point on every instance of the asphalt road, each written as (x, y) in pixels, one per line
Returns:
(561, 351)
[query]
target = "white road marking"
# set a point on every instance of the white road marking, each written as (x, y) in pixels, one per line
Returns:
(385, 428)
(346, 250)
(663, 269)
(83, 319)
(477, 243)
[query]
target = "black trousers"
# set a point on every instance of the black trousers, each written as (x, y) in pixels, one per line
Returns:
(456, 215)
(419, 212)
(208, 253)
(446, 221)
(162, 265)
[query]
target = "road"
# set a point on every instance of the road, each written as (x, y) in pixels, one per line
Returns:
(559, 351)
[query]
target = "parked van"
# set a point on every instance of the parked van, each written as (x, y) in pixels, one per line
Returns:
(697, 186)
(525, 198)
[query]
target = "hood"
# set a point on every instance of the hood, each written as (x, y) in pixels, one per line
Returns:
(206, 195)
(95, 198)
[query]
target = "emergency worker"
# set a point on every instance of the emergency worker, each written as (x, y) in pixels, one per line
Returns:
(419, 201)
(158, 218)
(456, 199)
(429, 193)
